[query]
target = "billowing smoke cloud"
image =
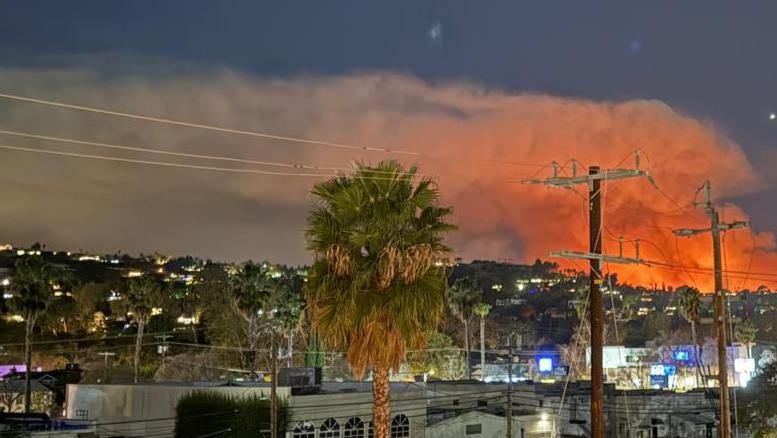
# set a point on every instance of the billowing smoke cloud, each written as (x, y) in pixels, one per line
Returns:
(473, 139)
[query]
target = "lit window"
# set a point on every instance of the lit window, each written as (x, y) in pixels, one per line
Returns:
(400, 426)
(304, 430)
(354, 428)
(330, 429)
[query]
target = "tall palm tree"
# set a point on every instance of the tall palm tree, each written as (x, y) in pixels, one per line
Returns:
(688, 303)
(482, 310)
(290, 315)
(745, 333)
(251, 288)
(378, 281)
(464, 296)
(143, 295)
(32, 289)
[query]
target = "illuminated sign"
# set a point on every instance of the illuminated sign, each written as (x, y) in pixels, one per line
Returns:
(744, 365)
(545, 364)
(657, 370)
(682, 356)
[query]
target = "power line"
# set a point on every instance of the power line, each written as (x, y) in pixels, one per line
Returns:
(167, 152)
(164, 164)
(192, 166)
(202, 126)
(255, 134)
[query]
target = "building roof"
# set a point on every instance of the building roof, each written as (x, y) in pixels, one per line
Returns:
(18, 386)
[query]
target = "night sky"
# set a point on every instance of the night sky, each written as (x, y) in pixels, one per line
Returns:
(711, 60)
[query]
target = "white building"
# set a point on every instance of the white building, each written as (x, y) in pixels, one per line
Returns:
(336, 410)
(477, 424)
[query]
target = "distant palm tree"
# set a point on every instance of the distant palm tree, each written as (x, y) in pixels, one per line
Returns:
(378, 281)
(32, 289)
(688, 303)
(252, 288)
(290, 316)
(482, 310)
(143, 295)
(464, 296)
(745, 333)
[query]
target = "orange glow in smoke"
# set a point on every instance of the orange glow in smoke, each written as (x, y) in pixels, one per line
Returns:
(502, 219)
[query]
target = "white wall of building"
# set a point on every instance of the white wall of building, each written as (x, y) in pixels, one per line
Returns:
(475, 424)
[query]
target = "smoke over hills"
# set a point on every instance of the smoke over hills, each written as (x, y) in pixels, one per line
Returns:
(474, 140)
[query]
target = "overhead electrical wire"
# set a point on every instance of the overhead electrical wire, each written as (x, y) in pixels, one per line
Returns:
(167, 152)
(163, 164)
(256, 134)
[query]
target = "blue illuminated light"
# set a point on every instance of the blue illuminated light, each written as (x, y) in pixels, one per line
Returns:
(682, 356)
(545, 364)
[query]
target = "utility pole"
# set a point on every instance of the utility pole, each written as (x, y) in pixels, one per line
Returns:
(105, 354)
(162, 349)
(720, 313)
(597, 307)
(509, 411)
(595, 257)
(273, 379)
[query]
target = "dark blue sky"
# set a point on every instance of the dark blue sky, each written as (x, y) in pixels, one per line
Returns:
(705, 57)
(712, 59)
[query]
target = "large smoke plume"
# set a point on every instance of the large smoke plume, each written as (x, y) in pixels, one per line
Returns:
(475, 140)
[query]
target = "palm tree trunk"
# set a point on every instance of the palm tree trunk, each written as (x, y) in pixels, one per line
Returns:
(482, 348)
(466, 348)
(28, 364)
(194, 333)
(138, 344)
(696, 353)
(252, 348)
(381, 407)
(290, 358)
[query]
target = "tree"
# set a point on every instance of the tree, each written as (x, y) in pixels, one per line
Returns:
(482, 310)
(745, 333)
(441, 359)
(251, 288)
(32, 289)
(290, 314)
(688, 303)
(464, 296)
(378, 280)
(143, 295)
(757, 411)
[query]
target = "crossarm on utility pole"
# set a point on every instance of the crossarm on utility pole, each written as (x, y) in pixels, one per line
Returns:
(602, 257)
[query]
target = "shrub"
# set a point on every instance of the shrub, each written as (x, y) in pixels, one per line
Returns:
(203, 412)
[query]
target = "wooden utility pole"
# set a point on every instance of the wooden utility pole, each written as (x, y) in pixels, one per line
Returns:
(595, 256)
(509, 414)
(273, 387)
(597, 308)
(720, 313)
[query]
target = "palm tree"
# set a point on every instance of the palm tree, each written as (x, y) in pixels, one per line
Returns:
(482, 310)
(465, 295)
(32, 289)
(143, 295)
(251, 289)
(378, 280)
(745, 333)
(290, 314)
(688, 303)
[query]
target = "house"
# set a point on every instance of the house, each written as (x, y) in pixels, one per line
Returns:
(54, 381)
(12, 396)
